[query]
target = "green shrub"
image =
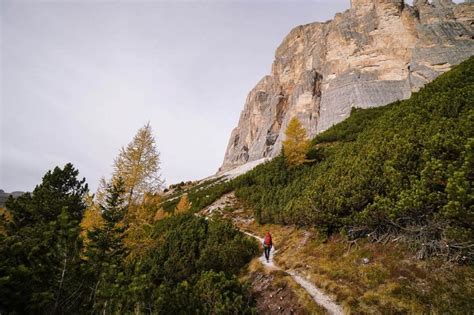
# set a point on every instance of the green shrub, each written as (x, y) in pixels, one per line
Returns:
(408, 164)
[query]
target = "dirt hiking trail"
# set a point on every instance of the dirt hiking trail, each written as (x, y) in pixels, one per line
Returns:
(229, 200)
(318, 296)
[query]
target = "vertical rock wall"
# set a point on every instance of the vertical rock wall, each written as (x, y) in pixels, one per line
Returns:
(377, 52)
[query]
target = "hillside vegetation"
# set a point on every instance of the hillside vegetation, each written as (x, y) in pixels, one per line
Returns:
(405, 169)
(179, 272)
(381, 216)
(4, 196)
(399, 177)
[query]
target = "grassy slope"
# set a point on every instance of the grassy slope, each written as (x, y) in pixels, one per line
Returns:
(392, 281)
(201, 194)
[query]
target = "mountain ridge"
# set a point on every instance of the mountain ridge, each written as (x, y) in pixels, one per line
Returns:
(372, 54)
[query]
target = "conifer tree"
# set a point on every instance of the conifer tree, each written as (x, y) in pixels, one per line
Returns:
(139, 166)
(161, 214)
(92, 218)
(5, 217)
(183, 205)
(296, 143)
(40, 264)
(105, 249)
(138, 236)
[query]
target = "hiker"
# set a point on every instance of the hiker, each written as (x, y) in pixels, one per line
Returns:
(267, 245)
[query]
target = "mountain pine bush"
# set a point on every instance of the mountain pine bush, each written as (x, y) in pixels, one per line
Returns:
(405, 168)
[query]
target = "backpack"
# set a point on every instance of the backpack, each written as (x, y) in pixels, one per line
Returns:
(268, 240)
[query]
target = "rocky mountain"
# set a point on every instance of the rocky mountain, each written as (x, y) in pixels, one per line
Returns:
(377, 52)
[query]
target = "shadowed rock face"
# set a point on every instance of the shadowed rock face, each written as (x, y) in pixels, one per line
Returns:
(377, 52)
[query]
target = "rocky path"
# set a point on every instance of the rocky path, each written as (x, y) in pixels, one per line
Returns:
(318, 296)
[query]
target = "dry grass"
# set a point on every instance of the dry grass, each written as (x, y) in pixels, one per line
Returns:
(369, 278)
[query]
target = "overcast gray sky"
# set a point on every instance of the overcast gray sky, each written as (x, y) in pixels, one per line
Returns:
(79, 78)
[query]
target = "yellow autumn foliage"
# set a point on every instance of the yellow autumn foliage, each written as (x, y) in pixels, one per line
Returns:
(183, 205)
(92, 218)
(139, 220)
(296, 143)
(5, 216)
(161, 214)
(138, 164)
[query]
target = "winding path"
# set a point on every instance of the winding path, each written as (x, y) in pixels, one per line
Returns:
(318, 296)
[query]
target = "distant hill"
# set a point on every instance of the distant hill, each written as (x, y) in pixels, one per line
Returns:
(4, 196)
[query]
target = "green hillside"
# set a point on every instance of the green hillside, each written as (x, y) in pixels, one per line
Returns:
(70, 272)
(389, 185)
(405, 168)
(396, 175)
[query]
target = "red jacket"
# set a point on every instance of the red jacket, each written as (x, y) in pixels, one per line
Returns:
(267, 241)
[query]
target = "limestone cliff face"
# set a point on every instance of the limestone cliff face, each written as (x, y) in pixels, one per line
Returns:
(377, 52)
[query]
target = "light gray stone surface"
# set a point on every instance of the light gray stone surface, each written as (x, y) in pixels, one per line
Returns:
(377, 52)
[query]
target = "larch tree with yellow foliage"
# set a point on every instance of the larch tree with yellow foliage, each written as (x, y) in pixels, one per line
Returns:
(140, 218)
(183, 205)
(92, 218)
(138, 165)
(161, 214)
(296, 143)
(5, 218)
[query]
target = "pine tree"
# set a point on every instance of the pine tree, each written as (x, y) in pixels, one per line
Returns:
(296, 143)
(40, 265)
(105, 248)
(139, 166)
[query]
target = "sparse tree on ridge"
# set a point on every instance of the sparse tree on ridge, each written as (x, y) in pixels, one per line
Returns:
(296, 143)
